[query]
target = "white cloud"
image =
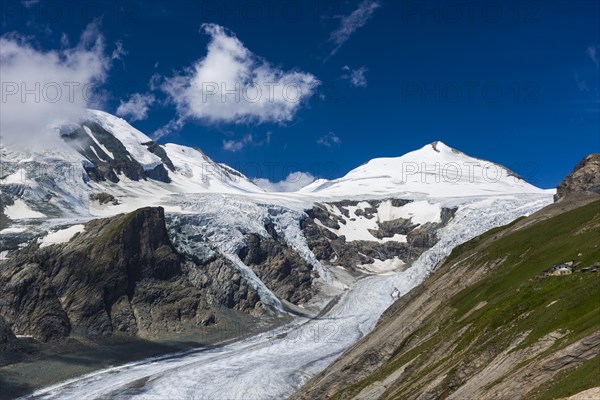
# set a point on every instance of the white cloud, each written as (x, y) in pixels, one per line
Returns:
(246, 140)
(41, 88)
(233, 85)
(356, 77)
(294, 181)
(592, 52)
(237, 145)
(136, 108)
(350, 23)
(329, 139)
(119, 52)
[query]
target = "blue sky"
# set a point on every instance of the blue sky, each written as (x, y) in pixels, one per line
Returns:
(513, 82)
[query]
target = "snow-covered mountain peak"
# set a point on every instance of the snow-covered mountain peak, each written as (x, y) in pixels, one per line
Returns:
(100, 154)
(435, 170)
(103, 154)
(441, 147)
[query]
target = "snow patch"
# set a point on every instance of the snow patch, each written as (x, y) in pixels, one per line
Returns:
(8, 231)
(61, 236)
(97, 156)
(20, 210)
(383, 266)
(419, 212)
(102, 147)
(357, 227)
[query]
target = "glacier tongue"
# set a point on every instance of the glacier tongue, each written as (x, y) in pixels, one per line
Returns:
(273, 365)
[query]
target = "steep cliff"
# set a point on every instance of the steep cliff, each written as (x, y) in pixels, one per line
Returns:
(120, 274)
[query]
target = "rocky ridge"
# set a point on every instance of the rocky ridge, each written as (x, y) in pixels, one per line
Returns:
(584, 179)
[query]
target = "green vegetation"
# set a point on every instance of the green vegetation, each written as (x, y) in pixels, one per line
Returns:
(117, 226)
(577, 380)
(513, 300)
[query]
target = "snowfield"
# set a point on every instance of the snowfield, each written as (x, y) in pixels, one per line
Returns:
(20, 210)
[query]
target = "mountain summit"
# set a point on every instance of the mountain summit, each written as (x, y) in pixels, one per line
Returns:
(435, 170)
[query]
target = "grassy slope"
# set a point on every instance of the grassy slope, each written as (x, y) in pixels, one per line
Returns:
(517, 302)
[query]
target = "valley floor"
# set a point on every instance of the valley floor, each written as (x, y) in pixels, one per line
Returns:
(269, 365)
(33, 365)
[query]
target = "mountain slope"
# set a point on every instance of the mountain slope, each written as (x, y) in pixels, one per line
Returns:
(105, 167)
(487, 324)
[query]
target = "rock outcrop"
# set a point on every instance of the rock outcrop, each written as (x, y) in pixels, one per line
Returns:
(334, 249)
(585, 178)
(108, 157)
(120, 274)
(287, 274)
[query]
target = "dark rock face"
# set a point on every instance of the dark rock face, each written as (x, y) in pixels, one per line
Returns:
(6, 334)
(104, 198)
(158, 173)
(30, 304)
(585, 178)
(121, 274)
(155, 148)
(333, 249)
(387, 229)
(287, 274)
(102, 166)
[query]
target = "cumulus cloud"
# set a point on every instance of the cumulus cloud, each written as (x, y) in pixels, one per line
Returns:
(329, 139)
(350, 23)
(233, 85)
(41, 88)
(293, 182)
(136, 107)
(356, 77)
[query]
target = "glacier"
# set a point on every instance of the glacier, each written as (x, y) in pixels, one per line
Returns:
(273, 365)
